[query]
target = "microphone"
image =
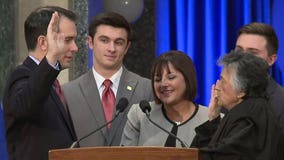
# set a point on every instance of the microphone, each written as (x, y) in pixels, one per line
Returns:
(120, 107)
(146, 108)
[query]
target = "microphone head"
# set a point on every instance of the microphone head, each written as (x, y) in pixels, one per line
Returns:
(122, 104)
(145, 106)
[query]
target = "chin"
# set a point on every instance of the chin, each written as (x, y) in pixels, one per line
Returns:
(168, 102)
(221, 104)
(64, 66)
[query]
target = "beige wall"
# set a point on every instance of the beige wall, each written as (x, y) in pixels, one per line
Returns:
(23, 9)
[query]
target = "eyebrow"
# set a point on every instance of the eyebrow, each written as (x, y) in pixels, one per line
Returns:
(70, 36)
(253, 49)
(119, 38)
(250, 49)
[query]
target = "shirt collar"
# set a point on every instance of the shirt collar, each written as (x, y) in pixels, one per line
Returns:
(114, 78)
(34, 59)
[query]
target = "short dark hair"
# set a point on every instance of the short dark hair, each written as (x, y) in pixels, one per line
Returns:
(249, 73)
(263, 30)
(112, 19)
(183, 64)
(37, 22)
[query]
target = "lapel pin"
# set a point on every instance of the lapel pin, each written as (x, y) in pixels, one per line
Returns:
(129, 88)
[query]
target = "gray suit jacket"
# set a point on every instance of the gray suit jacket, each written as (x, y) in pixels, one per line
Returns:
(86, 109)
(139, 131)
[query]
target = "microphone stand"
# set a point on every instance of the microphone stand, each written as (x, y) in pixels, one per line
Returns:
(75, 144)
(121, 105)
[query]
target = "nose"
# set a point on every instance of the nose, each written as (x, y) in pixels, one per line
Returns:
(164, 82)
(217, 86)
(74, 47)
(111, 47)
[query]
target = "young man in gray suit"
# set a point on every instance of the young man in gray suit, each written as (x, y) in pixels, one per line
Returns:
(109, 38)
(261, 40)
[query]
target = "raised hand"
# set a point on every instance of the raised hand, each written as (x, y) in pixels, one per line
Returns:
(214, 106)
(55, 40)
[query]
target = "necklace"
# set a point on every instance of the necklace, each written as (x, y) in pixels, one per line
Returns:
(177, 122)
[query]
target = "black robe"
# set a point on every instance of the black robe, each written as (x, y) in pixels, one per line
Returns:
(249, 131)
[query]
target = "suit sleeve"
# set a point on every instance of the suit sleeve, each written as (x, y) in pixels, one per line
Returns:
(238, 141)
(130, 136)
(27, 89)
(204, 133)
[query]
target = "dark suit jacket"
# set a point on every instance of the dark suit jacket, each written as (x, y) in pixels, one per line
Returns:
(86, 109)
(276, 95)
(247, 132)
(35, 119)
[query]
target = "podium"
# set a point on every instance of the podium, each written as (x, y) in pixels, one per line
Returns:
(124, 153)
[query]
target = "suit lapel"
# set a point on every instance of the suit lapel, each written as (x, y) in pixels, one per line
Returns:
(126, 89)
(89, 89)
(62, 112)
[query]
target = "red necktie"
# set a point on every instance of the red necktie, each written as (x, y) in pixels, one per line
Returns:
(60, 93)
(108, 100)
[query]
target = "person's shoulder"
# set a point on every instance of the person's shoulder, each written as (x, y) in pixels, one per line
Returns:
(201, 115)
(280, 89)
(135, 111)
(19, 72)
(251, 107)
(275, 88)
(154, 105)
(26, 65)
(202, 107)
(156, 109)
(135, 76)
(202, 110)
(78, 80)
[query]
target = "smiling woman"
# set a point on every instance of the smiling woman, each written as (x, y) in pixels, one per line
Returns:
(175, 88)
